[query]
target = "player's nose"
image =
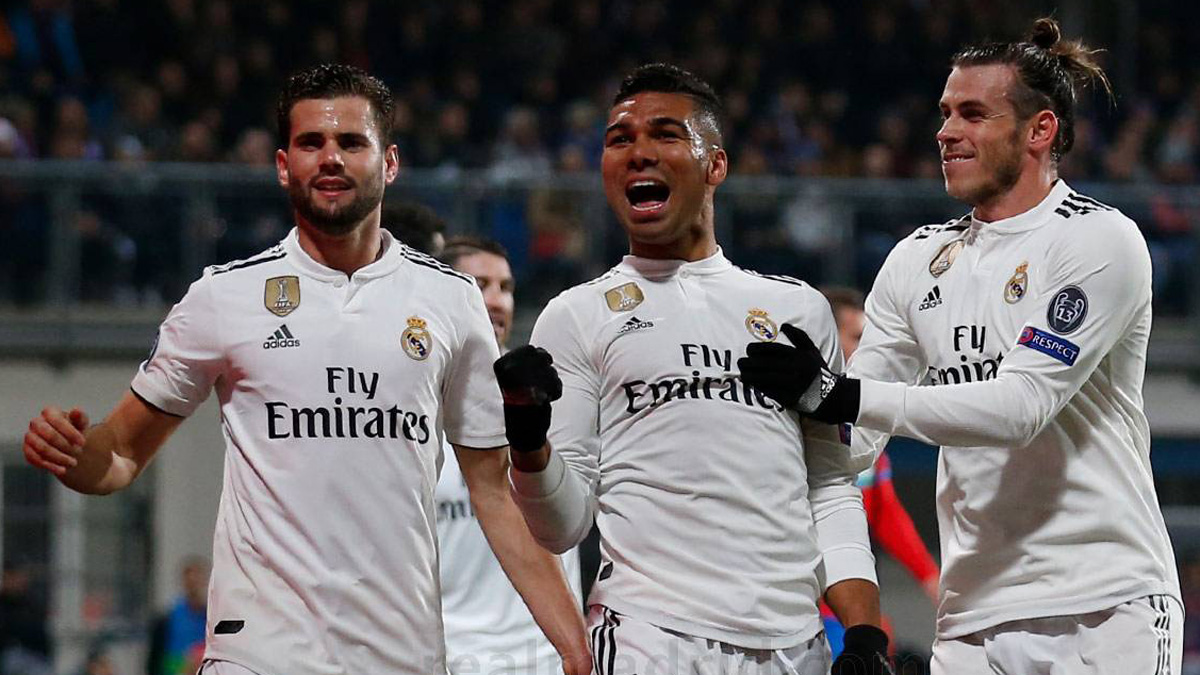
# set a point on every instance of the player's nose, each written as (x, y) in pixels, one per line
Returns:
(642, 153)
(948, 132)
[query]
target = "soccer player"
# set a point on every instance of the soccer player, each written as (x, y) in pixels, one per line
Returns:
(341, 359)
(722, 517)
(488, 628)
(1030, 318)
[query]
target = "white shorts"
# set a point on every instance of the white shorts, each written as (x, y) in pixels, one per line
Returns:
(211, 667)
(1141, 637)
(622, 645)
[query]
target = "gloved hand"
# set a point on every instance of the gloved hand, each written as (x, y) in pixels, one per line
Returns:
(864, 653)
(529, 383)
(796, 376)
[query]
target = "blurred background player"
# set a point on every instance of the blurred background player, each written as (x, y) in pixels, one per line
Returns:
(1015, 338)
(887, 519)
(416, 225)
(722, 518)
(488, 627)
(341, 360)
(177, 636)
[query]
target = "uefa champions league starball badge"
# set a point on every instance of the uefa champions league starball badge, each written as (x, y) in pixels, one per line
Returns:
(1017, 285)
(761, 326)
(415, 340)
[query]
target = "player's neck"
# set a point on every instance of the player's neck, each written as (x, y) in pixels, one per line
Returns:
(697, 242)
(689, 250)
(346, 253)
(1029, 191)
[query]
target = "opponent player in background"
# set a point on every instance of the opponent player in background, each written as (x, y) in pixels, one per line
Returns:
(488, 628)
(722, 517)
(887, 520)
(341, 360)
(1030, 317)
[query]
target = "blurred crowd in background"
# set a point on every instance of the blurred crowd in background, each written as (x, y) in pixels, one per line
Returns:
(520, 87)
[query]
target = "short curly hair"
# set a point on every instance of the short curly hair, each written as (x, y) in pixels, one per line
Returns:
(334, 80)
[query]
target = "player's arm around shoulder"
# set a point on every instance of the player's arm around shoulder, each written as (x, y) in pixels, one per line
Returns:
(98, 459)
(536, 573)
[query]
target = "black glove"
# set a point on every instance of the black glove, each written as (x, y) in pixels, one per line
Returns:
(797, 377)
(864, 653)
(529, 383)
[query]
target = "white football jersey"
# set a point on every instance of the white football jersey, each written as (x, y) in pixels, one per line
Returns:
(335, 395)
(488, 627)
(1030, 335)
(710, 498)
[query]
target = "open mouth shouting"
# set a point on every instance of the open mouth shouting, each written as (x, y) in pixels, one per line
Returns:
(647, 197)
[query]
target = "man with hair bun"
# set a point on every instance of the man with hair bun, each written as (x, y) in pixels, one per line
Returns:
(1015, 338)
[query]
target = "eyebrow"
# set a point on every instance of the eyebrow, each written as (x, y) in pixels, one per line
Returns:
(341, 137)
(662, 121)
(969, 103)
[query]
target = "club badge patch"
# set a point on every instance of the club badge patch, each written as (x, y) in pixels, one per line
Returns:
(1017, 285)
(761, 326)
(1050, 345)
(945, 258)
(415, 340)
(1067, 310)
(281, 296)
(624, 298)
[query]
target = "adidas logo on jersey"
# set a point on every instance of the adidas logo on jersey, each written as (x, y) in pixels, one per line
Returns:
(281, 338)
(932, 299)
(634, 324)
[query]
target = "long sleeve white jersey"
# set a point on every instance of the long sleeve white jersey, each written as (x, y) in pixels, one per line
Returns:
(1019, 346)
(335, 396)
(488, 627)
(720, 515)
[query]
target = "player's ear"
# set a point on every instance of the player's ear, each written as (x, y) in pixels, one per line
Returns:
(718, 166)
(1043, 129)
(281, 167)
(391, 164)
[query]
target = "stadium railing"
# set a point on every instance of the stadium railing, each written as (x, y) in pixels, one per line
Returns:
(92, 253)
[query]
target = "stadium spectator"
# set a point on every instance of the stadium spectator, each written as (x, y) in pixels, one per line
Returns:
(177, 635)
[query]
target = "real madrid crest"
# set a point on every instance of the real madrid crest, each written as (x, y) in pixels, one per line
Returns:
(945, 258)
(1016, 287)
(415, 340)
(281, 296)
(624, 298)
(761, 326)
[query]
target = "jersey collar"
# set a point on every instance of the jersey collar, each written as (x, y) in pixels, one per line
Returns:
(388, 261)
(652, 268)
(1035, 217)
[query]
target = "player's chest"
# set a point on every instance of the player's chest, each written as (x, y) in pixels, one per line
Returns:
(357, 344)
(967, 315)
(680, 332)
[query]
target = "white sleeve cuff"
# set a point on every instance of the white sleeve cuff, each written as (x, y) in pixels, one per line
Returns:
(536, 484)
(554, 503)
(881, 405)
(845, 545)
